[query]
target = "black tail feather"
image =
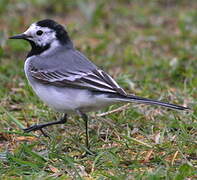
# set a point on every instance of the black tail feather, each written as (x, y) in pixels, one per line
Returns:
(155, 102)
(132, 98)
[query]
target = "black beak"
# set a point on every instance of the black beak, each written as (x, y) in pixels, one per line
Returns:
(19, 36)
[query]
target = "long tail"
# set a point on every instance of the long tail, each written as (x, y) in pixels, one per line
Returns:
(132, 98)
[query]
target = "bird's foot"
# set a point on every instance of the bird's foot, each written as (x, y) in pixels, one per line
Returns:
(35, 128)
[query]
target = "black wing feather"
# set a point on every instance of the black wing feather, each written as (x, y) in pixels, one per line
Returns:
(96, 80)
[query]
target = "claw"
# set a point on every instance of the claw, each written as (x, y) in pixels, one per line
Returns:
(44, 134)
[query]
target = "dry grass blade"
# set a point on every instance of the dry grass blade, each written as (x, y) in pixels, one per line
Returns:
(122, 108)
(174, 157)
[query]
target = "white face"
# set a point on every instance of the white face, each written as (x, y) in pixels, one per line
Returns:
(41, 36)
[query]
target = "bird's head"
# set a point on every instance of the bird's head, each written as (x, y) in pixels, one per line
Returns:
(45, 34)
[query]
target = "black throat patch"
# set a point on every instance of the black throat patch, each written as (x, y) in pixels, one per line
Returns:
(36, 50)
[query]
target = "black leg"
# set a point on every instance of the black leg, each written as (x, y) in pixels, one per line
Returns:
(85, 118)
(41, 126)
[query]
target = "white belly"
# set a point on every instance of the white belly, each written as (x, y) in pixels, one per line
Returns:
(68, 100)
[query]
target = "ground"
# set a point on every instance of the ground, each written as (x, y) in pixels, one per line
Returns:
(150, 48)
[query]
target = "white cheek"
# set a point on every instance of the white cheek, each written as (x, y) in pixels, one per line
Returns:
(42, 40)
(45, 39)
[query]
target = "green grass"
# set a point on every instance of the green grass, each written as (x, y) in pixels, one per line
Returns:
(149, 47)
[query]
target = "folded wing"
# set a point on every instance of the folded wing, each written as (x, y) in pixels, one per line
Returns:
(96, 80)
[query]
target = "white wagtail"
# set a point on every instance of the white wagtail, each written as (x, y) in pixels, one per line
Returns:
(66, 80)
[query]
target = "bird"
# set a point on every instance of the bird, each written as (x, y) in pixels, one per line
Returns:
(66, 80)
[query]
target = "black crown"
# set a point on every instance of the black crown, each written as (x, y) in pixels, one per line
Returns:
(61, 33)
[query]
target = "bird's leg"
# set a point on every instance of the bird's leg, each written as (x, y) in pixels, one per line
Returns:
(85, 118)
(41, 126)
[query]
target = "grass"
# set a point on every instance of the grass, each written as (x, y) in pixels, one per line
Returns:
(149, 47)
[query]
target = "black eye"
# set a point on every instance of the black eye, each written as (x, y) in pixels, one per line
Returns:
(39, 32)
